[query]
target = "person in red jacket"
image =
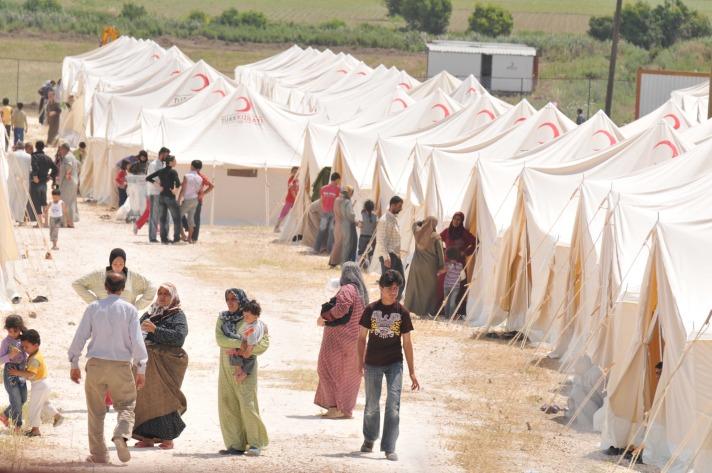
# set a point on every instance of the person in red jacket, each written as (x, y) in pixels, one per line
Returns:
(329, 193)
(292, 191)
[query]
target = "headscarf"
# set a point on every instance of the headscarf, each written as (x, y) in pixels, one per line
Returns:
(117, 253)
(425, 233)
(156, 312)
(347, 191)
(455, 233)
(242, 299)
(351, 274)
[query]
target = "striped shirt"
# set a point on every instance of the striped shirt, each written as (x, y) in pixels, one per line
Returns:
(388, 238)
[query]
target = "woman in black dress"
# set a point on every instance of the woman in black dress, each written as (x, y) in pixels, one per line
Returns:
(160, 403)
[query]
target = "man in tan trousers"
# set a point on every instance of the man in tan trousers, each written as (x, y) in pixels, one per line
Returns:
(115, 344)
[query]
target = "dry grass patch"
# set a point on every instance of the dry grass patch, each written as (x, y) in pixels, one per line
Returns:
(297, 379)
(12, 452)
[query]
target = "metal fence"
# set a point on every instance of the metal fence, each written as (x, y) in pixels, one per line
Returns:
(20, 79)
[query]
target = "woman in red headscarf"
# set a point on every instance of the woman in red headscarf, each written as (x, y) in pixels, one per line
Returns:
(457, 236)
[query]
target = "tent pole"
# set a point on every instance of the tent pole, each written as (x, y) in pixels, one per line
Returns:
(266, 199)
(212, 198)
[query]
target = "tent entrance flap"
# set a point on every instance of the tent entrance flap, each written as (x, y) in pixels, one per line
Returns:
(654, 343)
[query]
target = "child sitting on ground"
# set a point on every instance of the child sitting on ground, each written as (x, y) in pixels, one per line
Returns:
(250, 334)
(13, 357)
(453, 270)
(56, 212)
(36, 372)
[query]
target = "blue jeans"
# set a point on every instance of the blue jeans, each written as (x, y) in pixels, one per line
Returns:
(169, 205)
(326, 233)
(17, 393)
(19, 134)
(452, 299)
(372, 415)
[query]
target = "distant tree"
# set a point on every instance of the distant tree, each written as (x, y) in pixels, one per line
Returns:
(638, 25)
(42, 5)
(229, 17)
(600, 27)
(677, 22)
(431, 16)
(131, 11)
(658, 27)
(198, 16)
(491, 20)
(253, 18)
(394, 7)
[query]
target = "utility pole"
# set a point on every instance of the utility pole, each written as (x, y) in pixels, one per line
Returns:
(709, 98)
(614, 54)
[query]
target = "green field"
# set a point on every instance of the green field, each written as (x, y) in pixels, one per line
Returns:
(569, 16)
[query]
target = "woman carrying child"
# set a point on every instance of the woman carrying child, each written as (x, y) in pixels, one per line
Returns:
(160, 403)
(243, 431)
(338, 367)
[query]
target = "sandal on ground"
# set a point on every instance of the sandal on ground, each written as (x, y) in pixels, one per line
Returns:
(231, 451)
(167, 445)
(31, 433)
(143, 444)
(91, 459)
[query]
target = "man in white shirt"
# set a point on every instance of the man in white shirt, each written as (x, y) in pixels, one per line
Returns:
(115, 344)
(388, 240)
(188, 197)
(153, 191)
(18, 183)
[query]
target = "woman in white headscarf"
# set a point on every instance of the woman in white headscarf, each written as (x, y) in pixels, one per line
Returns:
(421, 293)
(160, 404)
(338, 367)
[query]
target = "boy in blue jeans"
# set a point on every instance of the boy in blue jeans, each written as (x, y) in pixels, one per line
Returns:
(384, 323)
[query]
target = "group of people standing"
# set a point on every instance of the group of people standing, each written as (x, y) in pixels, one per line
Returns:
(167, 196)
(30, 172)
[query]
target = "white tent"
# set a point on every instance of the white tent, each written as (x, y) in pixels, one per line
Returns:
(669, 111)
(672, 326)
(468, 90)
(8, 245)
(599, 261)
(443, 81)
(251, 143)
(532, 267)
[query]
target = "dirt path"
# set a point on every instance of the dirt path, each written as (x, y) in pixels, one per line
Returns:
(290, 292)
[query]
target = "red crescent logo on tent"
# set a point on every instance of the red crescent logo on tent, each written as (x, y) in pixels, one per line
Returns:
(487, 112)
(205, 79)
(553, 128)
(520, 119)
(342, 71)
(471, 90)
(611, 138)
(675, 120)
(246, 101)
(175, 73)
(156, 56)
(669, 144)
(401, 101)
(405, 86)
(442, 107)
(361, 73)
(219, 91)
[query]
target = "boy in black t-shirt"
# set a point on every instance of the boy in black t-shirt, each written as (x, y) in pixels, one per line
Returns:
(385, 322)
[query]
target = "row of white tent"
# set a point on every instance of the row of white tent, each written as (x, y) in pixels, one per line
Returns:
(591, 238)
(133, 94)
